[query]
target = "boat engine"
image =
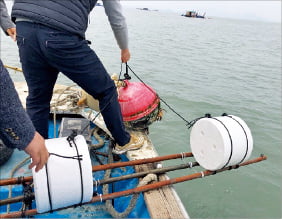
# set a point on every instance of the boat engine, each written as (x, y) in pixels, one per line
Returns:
(140, 105)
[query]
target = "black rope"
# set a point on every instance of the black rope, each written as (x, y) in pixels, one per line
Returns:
(195, 120)
(48, 188)
(28, 196)
(188, 124)
(20, 179)
(79, 157)
(71, 140)
(94, 154)
(72, 136)
(186, 121)
(127, 77)
(247, 140)
(23, 214)
(231, 143)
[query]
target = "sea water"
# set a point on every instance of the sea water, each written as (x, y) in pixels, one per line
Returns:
(200, 66)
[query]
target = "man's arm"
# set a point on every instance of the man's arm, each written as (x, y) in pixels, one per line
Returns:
(113, 10)
(5, 21)
(16, 128)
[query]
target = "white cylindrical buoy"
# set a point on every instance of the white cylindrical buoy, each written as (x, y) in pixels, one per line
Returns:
(218, 142)
(65, 180)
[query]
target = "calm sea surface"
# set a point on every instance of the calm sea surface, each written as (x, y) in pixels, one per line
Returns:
(204, 66)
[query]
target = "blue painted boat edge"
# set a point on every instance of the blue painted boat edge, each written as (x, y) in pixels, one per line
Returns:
(95, 210)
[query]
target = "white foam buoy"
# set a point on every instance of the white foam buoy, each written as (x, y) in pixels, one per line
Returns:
(67, 180)
(218, 142)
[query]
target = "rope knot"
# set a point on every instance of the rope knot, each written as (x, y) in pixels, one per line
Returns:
(28, 196)
(71, 137)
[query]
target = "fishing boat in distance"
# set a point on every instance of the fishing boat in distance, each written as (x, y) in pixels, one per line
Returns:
(194, 14)
(83, 178)
(146, 9)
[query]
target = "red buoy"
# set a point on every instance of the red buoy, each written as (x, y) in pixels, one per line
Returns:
(139, 104)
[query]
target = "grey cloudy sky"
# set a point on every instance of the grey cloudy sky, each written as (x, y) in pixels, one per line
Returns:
(254, 10)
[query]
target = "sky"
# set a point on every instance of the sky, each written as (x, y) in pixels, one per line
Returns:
(253, 10)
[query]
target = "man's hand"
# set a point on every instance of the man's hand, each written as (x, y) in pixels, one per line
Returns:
(12, 33)
(125, 55)
(38, 152)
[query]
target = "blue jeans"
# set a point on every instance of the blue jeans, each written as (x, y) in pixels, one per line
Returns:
(44, 52)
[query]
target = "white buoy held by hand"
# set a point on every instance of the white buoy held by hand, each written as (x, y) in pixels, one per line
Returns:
(66, 179)
(218, 142)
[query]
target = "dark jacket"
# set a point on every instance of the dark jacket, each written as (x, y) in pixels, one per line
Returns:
(71, 15)
(16, 128)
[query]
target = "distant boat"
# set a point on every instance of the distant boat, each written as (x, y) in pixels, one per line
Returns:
(146, 9)
(193, 14)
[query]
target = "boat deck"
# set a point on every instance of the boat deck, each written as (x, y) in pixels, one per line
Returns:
(161, 203)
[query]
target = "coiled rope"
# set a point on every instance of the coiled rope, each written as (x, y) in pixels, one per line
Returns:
(109, 206)
(101, 142)
(74, 96)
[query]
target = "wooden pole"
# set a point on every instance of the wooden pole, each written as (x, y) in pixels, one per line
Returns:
(13, 68)
(13, 200)
(13, 181)
(115, 179)
(141, 161)
(143, 188)
(144, 173)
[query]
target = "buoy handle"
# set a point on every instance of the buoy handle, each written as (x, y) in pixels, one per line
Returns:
(126, 75)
